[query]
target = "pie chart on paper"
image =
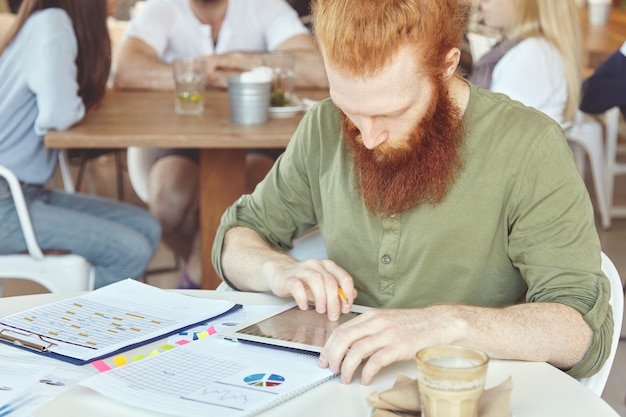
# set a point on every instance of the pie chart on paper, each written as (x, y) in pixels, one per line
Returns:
(264, 380)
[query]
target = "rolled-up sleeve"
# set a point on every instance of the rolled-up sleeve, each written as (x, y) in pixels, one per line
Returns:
(554, 243)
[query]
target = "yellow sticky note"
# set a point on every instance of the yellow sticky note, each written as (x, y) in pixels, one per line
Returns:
(202, 335)
(137, 358)
(167, 347)
(154, 352)
(120, 360)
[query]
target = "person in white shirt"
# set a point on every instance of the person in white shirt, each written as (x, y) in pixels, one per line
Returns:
(233, 36)
(539, 60)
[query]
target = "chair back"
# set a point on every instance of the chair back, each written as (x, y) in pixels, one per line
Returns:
(586, 136)
(22, 212)
(597, 382)
(309, 246)
(611, 119)
(56, 273)
(139, 161)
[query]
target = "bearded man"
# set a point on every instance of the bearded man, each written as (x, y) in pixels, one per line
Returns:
(457, 213)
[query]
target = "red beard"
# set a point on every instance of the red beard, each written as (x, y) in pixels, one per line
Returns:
(398, 177)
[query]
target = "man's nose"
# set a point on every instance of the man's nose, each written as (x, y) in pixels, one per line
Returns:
(372, 134)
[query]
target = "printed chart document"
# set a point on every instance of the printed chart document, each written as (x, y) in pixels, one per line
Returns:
(15, 379)
(212, 377)
(111, 319)
(29, 381)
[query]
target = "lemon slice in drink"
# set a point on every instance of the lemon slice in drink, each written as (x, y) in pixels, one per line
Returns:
(190, 96)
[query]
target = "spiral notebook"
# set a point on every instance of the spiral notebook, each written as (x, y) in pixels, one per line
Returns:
(212, 377)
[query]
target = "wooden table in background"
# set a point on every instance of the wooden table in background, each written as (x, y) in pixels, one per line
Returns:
(147, 119)
(602, 40)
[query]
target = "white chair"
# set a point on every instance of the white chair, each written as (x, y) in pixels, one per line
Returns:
(598, 137)
(138, 161)
(588, 134)
(597, 382)
(309, 246)
(56, 273)
(66, 174)
(612, 119)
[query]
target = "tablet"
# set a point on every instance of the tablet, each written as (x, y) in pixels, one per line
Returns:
(289, 327)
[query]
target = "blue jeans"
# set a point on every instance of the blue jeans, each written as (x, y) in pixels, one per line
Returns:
(118, 239)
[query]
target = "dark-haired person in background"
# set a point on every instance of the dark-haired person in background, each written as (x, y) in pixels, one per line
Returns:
(54, 65)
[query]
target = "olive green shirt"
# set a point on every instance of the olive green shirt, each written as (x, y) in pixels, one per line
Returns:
(516, 226)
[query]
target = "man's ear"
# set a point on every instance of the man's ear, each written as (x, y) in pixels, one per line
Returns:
(453, 57)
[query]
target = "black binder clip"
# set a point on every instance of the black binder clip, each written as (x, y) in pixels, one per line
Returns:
(21, 339)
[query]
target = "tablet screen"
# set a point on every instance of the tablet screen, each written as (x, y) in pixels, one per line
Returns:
(291, 327)
(307, 327)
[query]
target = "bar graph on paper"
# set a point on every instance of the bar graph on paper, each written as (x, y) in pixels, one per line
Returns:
(88, 324)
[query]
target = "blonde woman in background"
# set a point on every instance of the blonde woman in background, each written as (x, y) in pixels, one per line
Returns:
(539, 62)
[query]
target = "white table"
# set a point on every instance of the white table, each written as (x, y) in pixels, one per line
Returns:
(538, 388)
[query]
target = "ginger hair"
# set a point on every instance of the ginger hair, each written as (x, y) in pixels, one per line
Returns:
(359, 37)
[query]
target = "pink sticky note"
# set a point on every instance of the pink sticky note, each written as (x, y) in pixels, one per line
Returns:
(101, 366)
(211, 330)
(182, 342)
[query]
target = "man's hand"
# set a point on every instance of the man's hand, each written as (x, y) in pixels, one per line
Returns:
(316, 281)
(382, 337)
(231, 64)
(250, 264)
(526, 331)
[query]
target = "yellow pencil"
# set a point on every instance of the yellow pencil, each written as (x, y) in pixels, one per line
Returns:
(341, 294)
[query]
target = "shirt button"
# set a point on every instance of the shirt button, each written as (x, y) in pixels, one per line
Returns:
(386, 259)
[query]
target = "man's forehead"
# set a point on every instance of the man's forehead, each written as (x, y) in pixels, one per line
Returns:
(391, 86)
(404, 56)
